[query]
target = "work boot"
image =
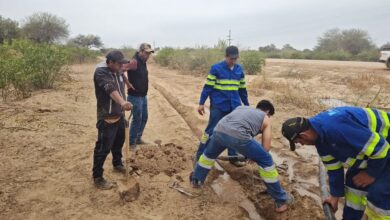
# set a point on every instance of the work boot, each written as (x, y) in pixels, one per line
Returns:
(282, 207)
(140, 141)
(101, 183)
(133, 147)
(194, 182)
(237, 163)
(120, 169)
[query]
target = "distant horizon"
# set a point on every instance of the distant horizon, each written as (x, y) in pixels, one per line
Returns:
(181, 24)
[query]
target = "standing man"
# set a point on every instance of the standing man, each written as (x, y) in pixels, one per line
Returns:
(238, 130)
(111, 102)
(359, 139)
(137, 75)
(225, 85)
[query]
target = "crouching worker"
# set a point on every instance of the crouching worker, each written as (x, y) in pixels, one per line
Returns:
(237, 130)
(359, 139)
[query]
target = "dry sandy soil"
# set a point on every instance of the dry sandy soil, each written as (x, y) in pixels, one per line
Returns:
(47, 140)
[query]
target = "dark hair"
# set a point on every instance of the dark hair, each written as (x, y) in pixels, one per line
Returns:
(266, 105)
(231, 51)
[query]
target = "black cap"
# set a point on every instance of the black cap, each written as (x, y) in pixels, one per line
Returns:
(292, 127)
(116, 56)
(232, 51)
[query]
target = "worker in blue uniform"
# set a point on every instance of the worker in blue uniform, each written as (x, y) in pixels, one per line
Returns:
(357, 138)
(226, 88)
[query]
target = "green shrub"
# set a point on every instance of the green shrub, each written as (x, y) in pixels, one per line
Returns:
(81, 54)
(8, 66)
(164, 56)
(189, 59)
(252, 61)
(128, 52)
(26, 66)
(368, 55)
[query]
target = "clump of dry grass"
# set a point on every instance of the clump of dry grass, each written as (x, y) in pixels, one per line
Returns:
(295, 74)
(299, 98)
(286, 94)
(267, 84)
(369, 89)
(366, 81)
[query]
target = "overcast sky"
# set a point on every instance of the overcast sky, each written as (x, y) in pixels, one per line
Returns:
(181, 23)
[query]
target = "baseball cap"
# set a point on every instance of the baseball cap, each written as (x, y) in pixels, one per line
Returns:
(232, 51)
(146, 47)
(116, 56)
(292, 127)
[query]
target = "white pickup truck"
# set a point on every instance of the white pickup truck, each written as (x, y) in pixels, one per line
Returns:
(385, 56)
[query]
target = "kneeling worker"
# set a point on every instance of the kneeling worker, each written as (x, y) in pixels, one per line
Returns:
(359, 139)
(237, 130)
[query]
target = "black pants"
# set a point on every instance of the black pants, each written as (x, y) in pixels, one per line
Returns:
(110, 139)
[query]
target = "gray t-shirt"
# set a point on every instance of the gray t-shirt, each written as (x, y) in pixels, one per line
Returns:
(244, 122)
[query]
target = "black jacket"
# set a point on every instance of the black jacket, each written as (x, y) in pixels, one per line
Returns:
(105, 83)
(139, 78)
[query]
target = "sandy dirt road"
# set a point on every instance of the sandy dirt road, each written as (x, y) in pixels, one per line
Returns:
(47, 140)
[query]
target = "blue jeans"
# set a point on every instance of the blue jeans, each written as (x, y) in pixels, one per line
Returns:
(215, 116)
(140, 117)
(250, 149)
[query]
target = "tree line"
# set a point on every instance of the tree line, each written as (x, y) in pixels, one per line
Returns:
(44, 28)
(334, 44)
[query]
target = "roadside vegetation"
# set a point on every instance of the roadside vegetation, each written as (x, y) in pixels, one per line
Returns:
(199, 60)
(35, 54)
(334, 44)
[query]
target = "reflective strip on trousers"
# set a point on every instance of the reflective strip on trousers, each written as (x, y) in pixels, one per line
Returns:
(204, 138)
(327, 158)
(206, 162)
(333, 166)
(355, 199)
(269, 174)
(375, 213)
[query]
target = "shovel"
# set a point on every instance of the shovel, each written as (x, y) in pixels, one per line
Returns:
(236, 157)
(128, 188)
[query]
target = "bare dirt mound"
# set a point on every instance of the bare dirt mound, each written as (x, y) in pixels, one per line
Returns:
(167, 158)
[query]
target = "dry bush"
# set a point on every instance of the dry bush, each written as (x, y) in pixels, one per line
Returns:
(267, 84)
(370, 90)
(366, 81)
(295, 74)
(286, 94)
(299, 98)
